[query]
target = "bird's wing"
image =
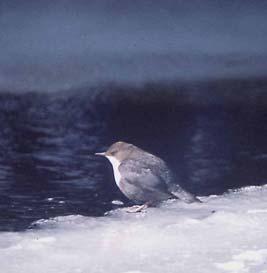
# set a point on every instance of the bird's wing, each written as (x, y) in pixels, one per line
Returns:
(142, 174)
(154, 175)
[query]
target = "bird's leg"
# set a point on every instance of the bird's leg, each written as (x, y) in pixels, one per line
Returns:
(137, 208)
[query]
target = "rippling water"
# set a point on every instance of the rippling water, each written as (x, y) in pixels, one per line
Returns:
(47, 166)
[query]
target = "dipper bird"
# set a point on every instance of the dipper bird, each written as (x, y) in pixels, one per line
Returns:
(143, 177)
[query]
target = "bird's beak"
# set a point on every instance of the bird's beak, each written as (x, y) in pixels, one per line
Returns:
(101, 154)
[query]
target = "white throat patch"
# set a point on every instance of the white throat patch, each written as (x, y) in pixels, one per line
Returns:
(115, 164)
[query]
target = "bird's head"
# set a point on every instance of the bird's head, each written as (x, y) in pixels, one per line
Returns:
(119, 150)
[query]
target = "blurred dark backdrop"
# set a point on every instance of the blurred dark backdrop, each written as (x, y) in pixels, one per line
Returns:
(185, 80)
(63, 44)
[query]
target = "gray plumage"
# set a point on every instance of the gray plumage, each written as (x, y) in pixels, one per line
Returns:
(144, 178)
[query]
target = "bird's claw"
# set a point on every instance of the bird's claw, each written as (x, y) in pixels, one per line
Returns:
(137, 208)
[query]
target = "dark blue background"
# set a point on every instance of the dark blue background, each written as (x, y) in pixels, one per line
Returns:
(185, 80)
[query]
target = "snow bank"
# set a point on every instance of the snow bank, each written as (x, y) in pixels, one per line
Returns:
(174, 238)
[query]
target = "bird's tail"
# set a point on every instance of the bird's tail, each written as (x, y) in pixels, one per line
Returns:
(183, 195)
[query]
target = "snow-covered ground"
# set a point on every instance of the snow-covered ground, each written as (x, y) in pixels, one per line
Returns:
(174, 238)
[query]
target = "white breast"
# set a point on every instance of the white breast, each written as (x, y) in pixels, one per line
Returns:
(115, 164)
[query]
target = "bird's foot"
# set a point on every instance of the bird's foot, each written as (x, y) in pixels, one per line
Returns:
(137, 208)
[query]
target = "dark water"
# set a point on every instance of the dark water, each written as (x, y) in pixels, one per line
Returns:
(214, 138)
